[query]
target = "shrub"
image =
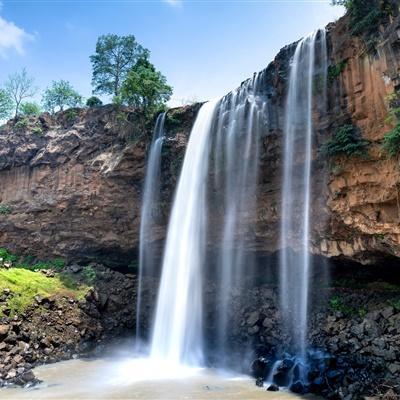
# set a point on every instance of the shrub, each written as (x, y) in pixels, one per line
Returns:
(346, 141)
(89, 275)
(391, 142)
(5, 209)
(30, 109)
(70, 115)
(334, 71)
(37, 130)
(94, 102)
(22, 123)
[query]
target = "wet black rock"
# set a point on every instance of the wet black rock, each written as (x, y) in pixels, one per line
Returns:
(259, 367)
(298, 387)
(273, 388)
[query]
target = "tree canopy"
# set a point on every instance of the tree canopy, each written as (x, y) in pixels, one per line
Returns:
(145, 88)
(115, 56)
(19, 87)
(59, 96)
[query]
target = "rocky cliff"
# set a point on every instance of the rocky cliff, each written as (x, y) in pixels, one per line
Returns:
(71, 184)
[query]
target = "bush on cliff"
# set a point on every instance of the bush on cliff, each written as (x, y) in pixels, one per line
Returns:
(346, 141)
(391, 142)
(59, 96)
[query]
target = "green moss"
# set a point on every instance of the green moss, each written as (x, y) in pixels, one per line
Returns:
(25, 285)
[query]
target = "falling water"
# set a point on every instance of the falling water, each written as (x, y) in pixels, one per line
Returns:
(149, 213)
(177, 336)
(307, 78)
(240, 119)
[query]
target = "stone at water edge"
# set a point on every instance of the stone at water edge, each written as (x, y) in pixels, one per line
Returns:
(298, 387)
(273, 388)
(260, 382)
(259, 367)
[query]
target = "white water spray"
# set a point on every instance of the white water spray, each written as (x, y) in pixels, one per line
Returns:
(305, 77)
(178, 337)
(149, 213)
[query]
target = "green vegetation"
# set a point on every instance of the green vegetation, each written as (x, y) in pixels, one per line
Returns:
(115, 56)
(93, 102)
(391, 142)
(367, 15)
(30, 109)
(6, 105)
(145, 88)
(22, 123)
(89, 275)
(346, 141)
(20, 86)
(338, 305)
(37, 130)
(71, 115)
(5, 209)
(60, 95)
(395, 304)
(334, 71)
(25, 285)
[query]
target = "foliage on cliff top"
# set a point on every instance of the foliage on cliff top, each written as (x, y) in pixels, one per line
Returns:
(366, 15)
(24, 285)
(346, 141)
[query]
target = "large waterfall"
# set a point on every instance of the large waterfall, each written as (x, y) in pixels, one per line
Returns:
(177, 337)
(307, 76)
(219, 178)
(149, 213)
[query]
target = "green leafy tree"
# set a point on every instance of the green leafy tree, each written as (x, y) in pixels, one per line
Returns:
(6, 105)
(30, 108)
(20, 86)
(115, 56)
(93, 102)
(145, 88)
(59, 96)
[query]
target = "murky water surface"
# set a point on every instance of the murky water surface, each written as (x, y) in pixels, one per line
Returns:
(137, 379)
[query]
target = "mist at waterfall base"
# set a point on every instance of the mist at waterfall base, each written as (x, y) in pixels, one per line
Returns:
(221, 167)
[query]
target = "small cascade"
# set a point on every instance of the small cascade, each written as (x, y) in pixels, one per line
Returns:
(149, 215)
(307, 82)
(177, 337)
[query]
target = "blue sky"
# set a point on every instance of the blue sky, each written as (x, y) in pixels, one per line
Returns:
(205, 48)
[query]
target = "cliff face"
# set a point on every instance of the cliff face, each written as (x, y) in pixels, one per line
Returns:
(73, 187)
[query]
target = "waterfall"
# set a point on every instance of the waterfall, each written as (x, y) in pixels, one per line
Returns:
(307, 73)
(149, 213)
(177, 336)
(239, 121)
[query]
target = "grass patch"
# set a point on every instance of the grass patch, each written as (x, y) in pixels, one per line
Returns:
(25, 285)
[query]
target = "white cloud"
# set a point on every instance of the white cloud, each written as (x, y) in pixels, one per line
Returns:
(173, 3)
(12, 37)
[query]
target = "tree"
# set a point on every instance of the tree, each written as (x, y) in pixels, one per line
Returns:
(145, 88)
(19, 87)
(59, 96)
(30, 108)
(6, 105)
(94, 102)
(115, 56)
